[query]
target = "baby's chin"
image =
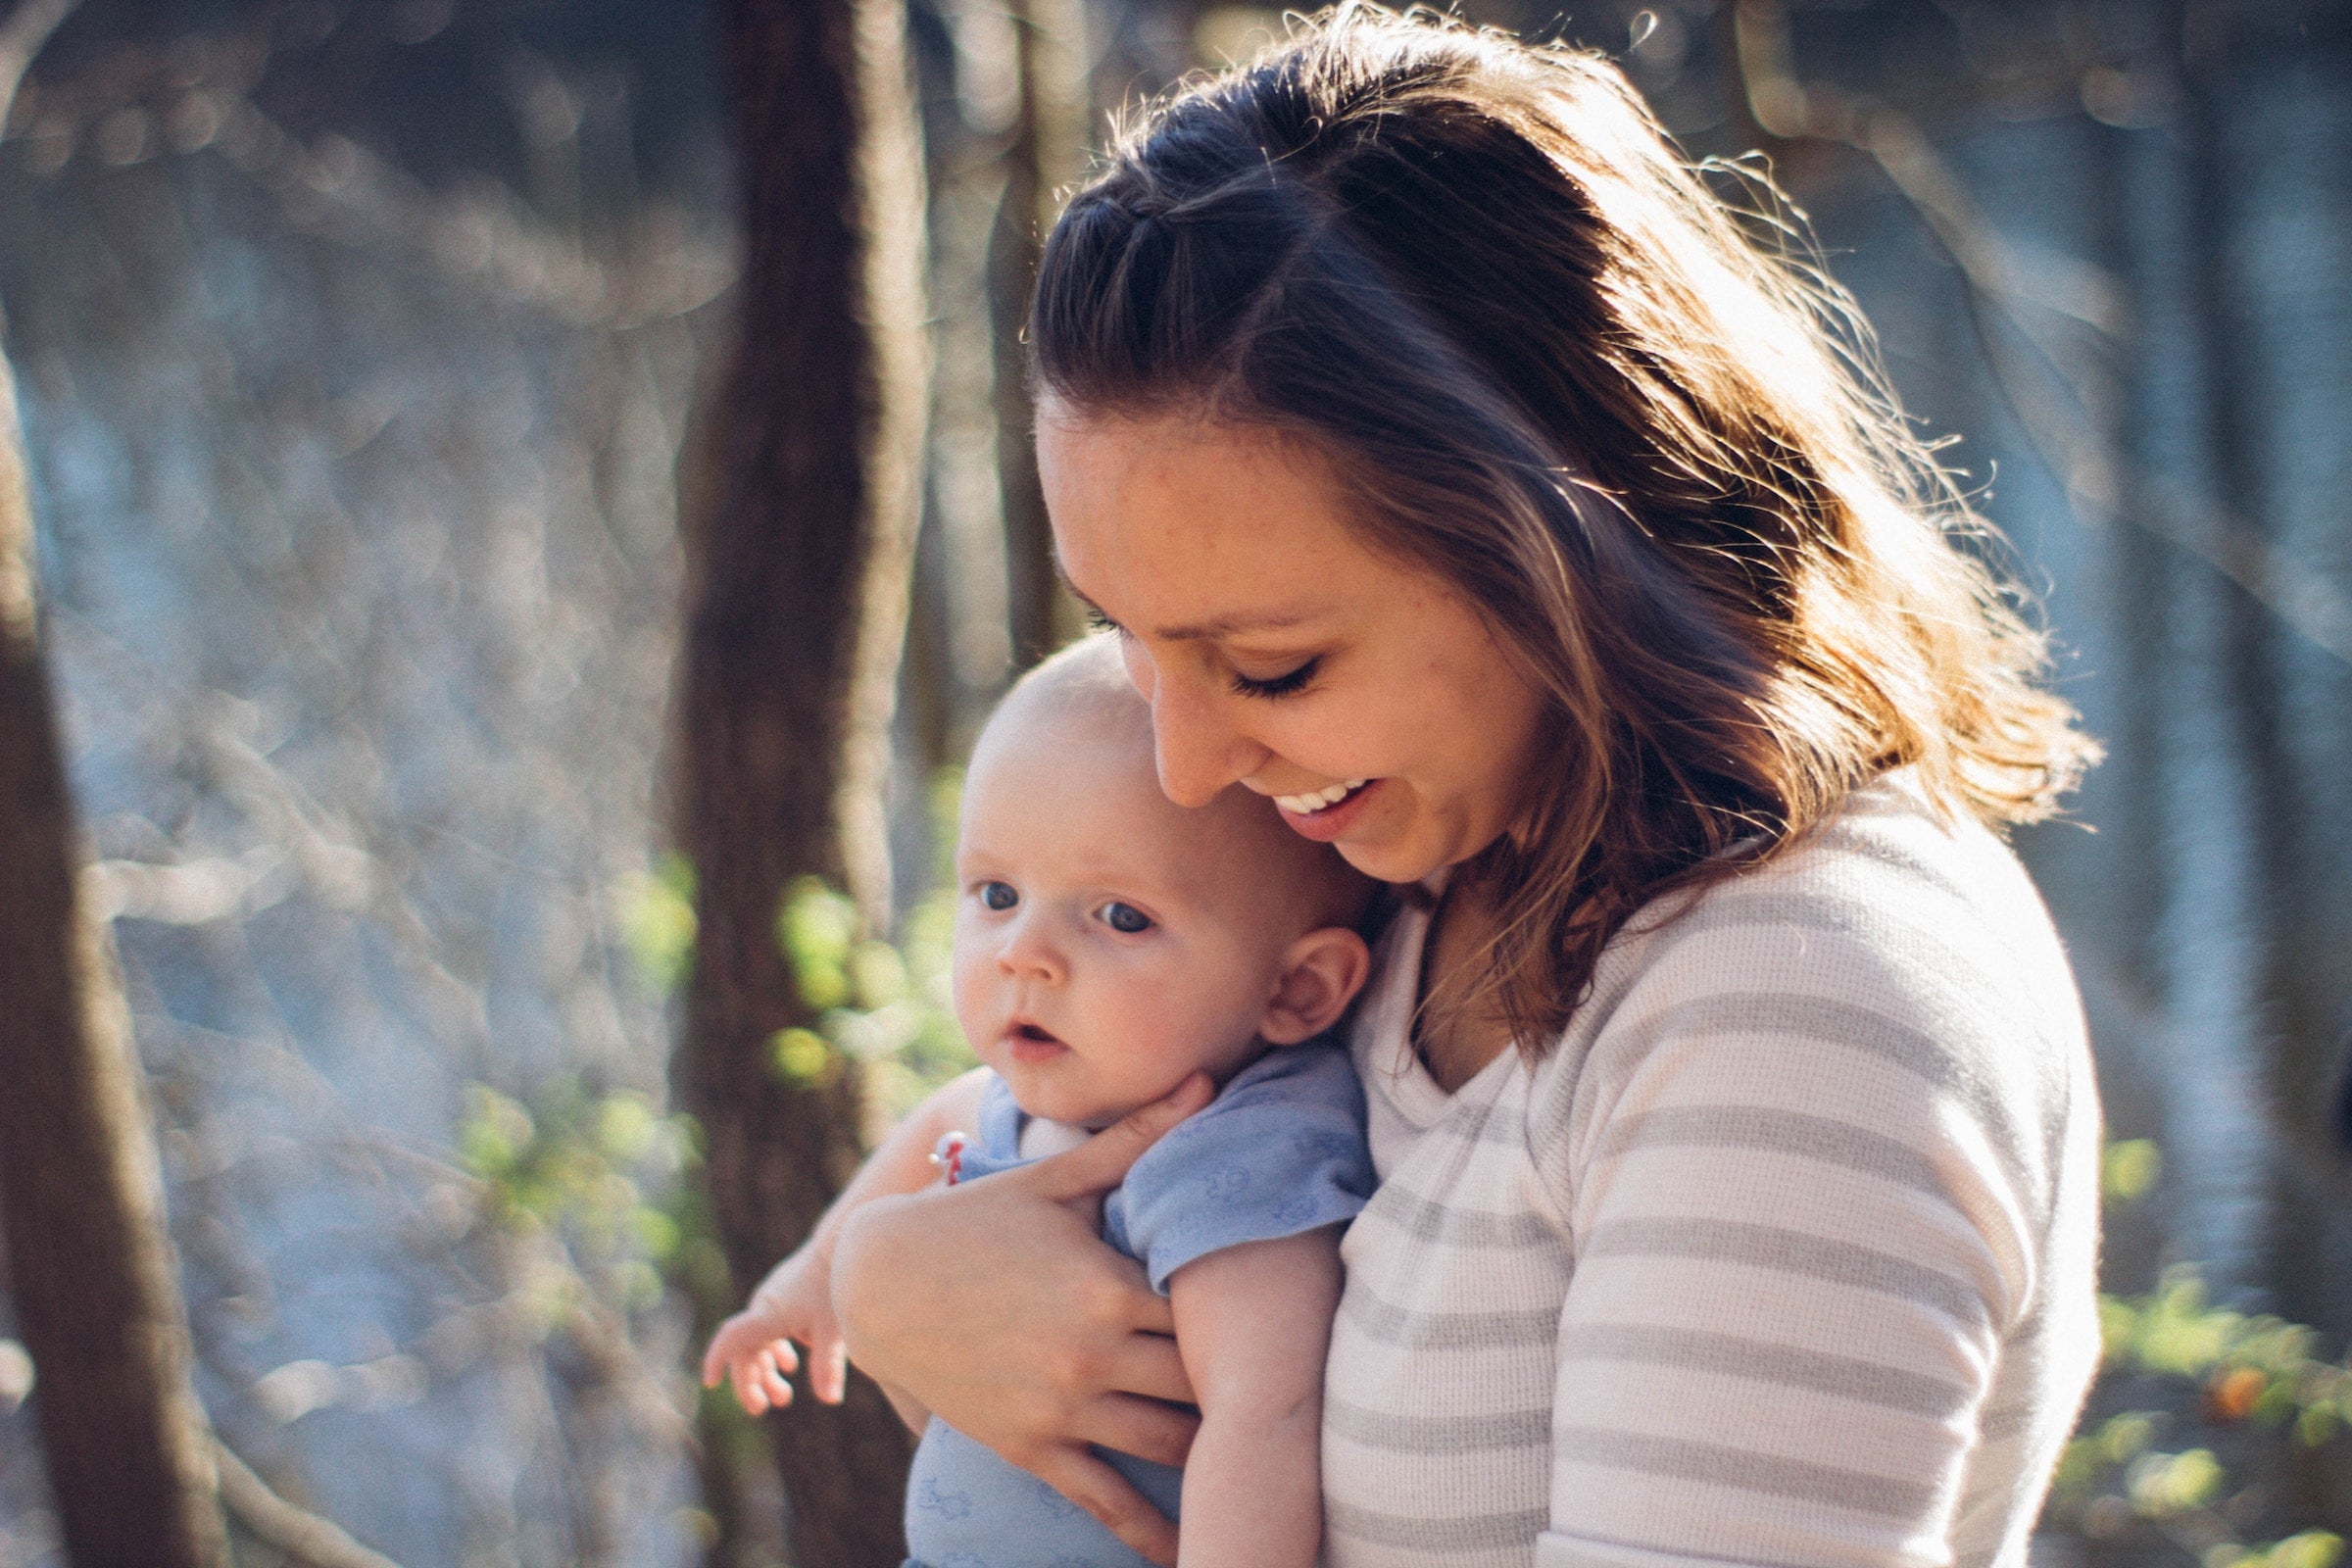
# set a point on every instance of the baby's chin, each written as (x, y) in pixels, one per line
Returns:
(1089, 1115)
(1070, 1107)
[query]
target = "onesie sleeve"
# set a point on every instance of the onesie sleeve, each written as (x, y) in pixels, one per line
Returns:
(1281, 1151)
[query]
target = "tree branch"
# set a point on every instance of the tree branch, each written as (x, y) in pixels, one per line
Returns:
(297, 1532)
(21, 37)
(2098, 483)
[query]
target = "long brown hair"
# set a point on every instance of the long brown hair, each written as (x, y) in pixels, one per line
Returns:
(1620, 414)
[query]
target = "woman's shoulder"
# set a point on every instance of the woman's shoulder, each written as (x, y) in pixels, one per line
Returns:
(1894, 972)
(1887, 904)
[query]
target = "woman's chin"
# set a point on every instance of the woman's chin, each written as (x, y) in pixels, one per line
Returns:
(1388, 861)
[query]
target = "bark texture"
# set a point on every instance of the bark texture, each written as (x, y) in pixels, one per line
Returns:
(91, 1265)
(801, 535)
(1046, 158)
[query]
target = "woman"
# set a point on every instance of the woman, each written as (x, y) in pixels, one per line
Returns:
(1463, 475)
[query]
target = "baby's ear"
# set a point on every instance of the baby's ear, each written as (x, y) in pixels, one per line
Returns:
(1320, 976)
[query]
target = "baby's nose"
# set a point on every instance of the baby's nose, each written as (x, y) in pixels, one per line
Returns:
(1030, 952)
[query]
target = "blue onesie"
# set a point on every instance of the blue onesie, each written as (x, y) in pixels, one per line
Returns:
(1280, 1151)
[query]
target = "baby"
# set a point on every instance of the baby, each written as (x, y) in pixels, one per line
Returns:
(1108, 946)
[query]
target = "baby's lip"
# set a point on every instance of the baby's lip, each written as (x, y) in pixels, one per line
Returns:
(1031, 1044)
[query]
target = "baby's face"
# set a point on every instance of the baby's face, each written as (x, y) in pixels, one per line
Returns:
(1107, 942)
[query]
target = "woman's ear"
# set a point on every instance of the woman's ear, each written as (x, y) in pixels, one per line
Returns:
(1320, 976)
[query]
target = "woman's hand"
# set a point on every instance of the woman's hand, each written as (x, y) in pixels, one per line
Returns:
(754, 1349)
(996, 1304)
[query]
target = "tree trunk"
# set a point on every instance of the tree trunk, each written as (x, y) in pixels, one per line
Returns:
(90, 1264)
(1046, 156)
(800, 536)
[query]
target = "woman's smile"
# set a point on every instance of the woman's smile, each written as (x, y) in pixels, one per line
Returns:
(1322, 800)
(1325, 817)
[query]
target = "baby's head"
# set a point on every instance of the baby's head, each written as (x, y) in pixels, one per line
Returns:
(1107, 941)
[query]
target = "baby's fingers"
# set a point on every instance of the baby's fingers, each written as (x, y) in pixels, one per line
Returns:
(828, 1368)
(775, 1363)
(729, 1345)
(745, 1376)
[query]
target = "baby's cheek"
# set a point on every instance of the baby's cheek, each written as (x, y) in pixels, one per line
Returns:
(1189, 1015)
(969, 973)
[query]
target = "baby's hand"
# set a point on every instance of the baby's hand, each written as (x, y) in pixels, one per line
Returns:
(754, 1349)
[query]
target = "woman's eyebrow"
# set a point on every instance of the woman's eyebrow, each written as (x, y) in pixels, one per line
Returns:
(1231, 626)
(1219, 626)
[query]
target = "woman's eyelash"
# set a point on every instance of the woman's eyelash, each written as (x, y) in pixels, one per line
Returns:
(1283, 685)
(1097, 621)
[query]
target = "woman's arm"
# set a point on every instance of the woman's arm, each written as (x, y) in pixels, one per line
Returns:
(1833, 1181)
(1253, 1323)
(754, 1349)
(1056, 1342)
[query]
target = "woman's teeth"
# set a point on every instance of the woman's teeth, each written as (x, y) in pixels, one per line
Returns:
(1320, 800)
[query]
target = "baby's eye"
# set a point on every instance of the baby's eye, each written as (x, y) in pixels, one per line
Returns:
(1124, 917)
(999, 894)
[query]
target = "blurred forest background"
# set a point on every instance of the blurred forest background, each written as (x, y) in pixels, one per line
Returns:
(483, 456)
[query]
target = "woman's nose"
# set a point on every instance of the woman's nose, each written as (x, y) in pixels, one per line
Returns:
(1200, 751)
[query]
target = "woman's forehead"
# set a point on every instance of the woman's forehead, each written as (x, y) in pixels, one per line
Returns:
(1216, 530)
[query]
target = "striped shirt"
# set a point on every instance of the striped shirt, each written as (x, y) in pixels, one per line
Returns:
(1784, 1254)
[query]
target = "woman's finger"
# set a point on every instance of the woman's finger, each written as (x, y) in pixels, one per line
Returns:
(1100, 1162)
(1145, 1428)
(1106, 1494)
(1149, 1365)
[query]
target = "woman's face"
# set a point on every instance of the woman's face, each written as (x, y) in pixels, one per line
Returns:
(1363, 695)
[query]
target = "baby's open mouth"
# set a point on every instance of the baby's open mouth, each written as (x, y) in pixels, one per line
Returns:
(1031, 1045)
(1322, 800)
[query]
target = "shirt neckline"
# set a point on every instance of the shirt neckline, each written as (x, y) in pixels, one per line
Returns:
(1382, 1041)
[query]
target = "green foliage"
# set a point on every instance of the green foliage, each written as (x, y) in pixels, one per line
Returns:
(657, 919)
(594, 1172)
(2313, 1548)
(2128, 1170)
(817, 930)
(887, 1007)
(2250, 1386)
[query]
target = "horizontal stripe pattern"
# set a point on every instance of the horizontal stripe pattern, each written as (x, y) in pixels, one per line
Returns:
(1789, 1366)
(1784, 1254)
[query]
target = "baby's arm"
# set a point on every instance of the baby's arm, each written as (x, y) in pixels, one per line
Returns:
(754, 1347)
(1254, 1322)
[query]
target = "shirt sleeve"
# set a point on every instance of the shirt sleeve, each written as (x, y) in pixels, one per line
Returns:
(1279, 1153)
(1803, 1169)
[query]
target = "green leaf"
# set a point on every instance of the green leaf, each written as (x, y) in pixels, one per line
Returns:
(2313, 1548)
(2160, 1485)
(801, 1056)
(656, 914)
(2128, 1169)
(816, 928)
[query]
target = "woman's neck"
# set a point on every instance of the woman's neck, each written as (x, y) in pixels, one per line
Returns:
(1456, 1032)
